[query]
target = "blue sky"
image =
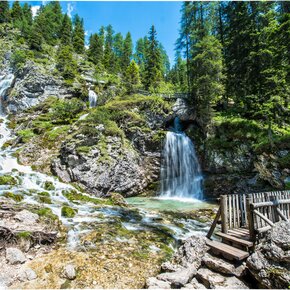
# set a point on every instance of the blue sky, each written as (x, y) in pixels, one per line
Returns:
(136, 17)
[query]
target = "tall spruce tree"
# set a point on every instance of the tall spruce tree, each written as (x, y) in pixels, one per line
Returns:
(127, 51)
(16, 14)
(4, 11)
(109, 56)
(66, 31)
(153, 64)
(78, 34)
(95, 51)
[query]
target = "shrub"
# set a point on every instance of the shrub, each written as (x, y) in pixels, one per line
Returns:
(18, 58)
(25, 135)
(65, 111)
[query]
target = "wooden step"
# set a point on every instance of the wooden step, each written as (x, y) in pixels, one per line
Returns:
(238, 234)
(235, 239)
(227, 251)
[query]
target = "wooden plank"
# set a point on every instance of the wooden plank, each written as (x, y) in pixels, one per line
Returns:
(264, 229)
(245, 209)
(264, 218)
(243, 221)
(224, 213)
(235, 239)
(250, 218)
(227, 250)
(238, 211)
(230, 211)
(242, 230)
(234, 211)
(239, 234)
(281, 214)
(210, 232)
(270, 203)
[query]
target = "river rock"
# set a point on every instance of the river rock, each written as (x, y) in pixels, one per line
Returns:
(179, 278)
(270, 263)
(69, 272)
(26, 274)
(26, 217)
(194, 284)
(215, 280)
(15, 256)
(222, 266)
(154, 283)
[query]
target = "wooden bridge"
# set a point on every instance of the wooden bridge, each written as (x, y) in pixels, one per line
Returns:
(245, 218)
(169, 96)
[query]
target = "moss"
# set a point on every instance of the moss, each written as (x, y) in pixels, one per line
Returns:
(284, 161)
(74, 196)
(8, 180)
(46, 213)
(26, 135)
(43, 193)
(48, 185)
(83, 149)
(68, 212)
(45, 199)
(24, 235)
(16, 197)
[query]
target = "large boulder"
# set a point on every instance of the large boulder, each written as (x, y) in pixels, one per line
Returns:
(270, 263)
(15, 256)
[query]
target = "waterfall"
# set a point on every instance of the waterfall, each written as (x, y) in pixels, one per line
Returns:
(93, 97)
(180, 171)
(5, 83)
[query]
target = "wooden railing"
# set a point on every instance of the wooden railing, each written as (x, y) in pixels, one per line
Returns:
(256, 211)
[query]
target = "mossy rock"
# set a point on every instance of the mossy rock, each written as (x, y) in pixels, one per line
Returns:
(16, 197)
(45, 199)
(68, 212)
(118, 199)
(48, 185)
(46, 213)
(8, 180)
(24, 235)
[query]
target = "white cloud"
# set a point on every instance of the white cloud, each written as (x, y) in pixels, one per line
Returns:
(69, 9)
(34, 10)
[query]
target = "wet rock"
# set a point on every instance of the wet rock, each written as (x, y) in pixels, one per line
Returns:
(26, 217)
(69, 272)
(215, 280)
(15, 256)
(183, 111)
(194, 284)
(154, 283)
(222, 266)
(270, 263)
(179, 278)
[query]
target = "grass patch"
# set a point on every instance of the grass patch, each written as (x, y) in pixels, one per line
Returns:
(8, 180)
(68, 212)
(15, 197)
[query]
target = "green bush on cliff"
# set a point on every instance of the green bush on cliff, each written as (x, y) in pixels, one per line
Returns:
(65, 111)
(26, 135)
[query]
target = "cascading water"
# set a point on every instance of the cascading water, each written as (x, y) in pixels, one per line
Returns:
(31, 183)
(181, 175)
(93, 98)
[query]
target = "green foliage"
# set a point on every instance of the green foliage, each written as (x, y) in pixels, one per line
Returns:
(127, 52)
(4, 11)
(132, 77)
(7, 180)
(65, 111)
(15, 197)
(68, 212)
(46, 212)
(78, 34)
(66, 31)
(48, 185)
(25, 135)
(19, 58)
(95, 51)
(66, 63)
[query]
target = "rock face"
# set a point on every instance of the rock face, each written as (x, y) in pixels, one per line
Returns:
(15, 256)
(270, 263)
(193, 268)
(111, 168)
(31, 86)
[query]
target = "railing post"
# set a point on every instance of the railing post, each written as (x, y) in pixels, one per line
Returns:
(250, 216)
(274, 209)
(224, 213)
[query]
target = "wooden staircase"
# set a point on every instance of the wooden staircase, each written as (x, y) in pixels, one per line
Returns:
(244, 219)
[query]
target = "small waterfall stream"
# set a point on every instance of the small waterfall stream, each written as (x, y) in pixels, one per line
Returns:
(93, 98)
(181, 176)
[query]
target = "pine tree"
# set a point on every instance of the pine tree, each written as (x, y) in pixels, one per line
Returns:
(153, 64)
(78, 34)
(118, 51)
(95, 51)
(26, 22)
(109, 63)
(207, 85)
(132, 77)
(4, 11)
(66, 63)
(16, 14)
(127, 51)
(35, 38)
(66, 31)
